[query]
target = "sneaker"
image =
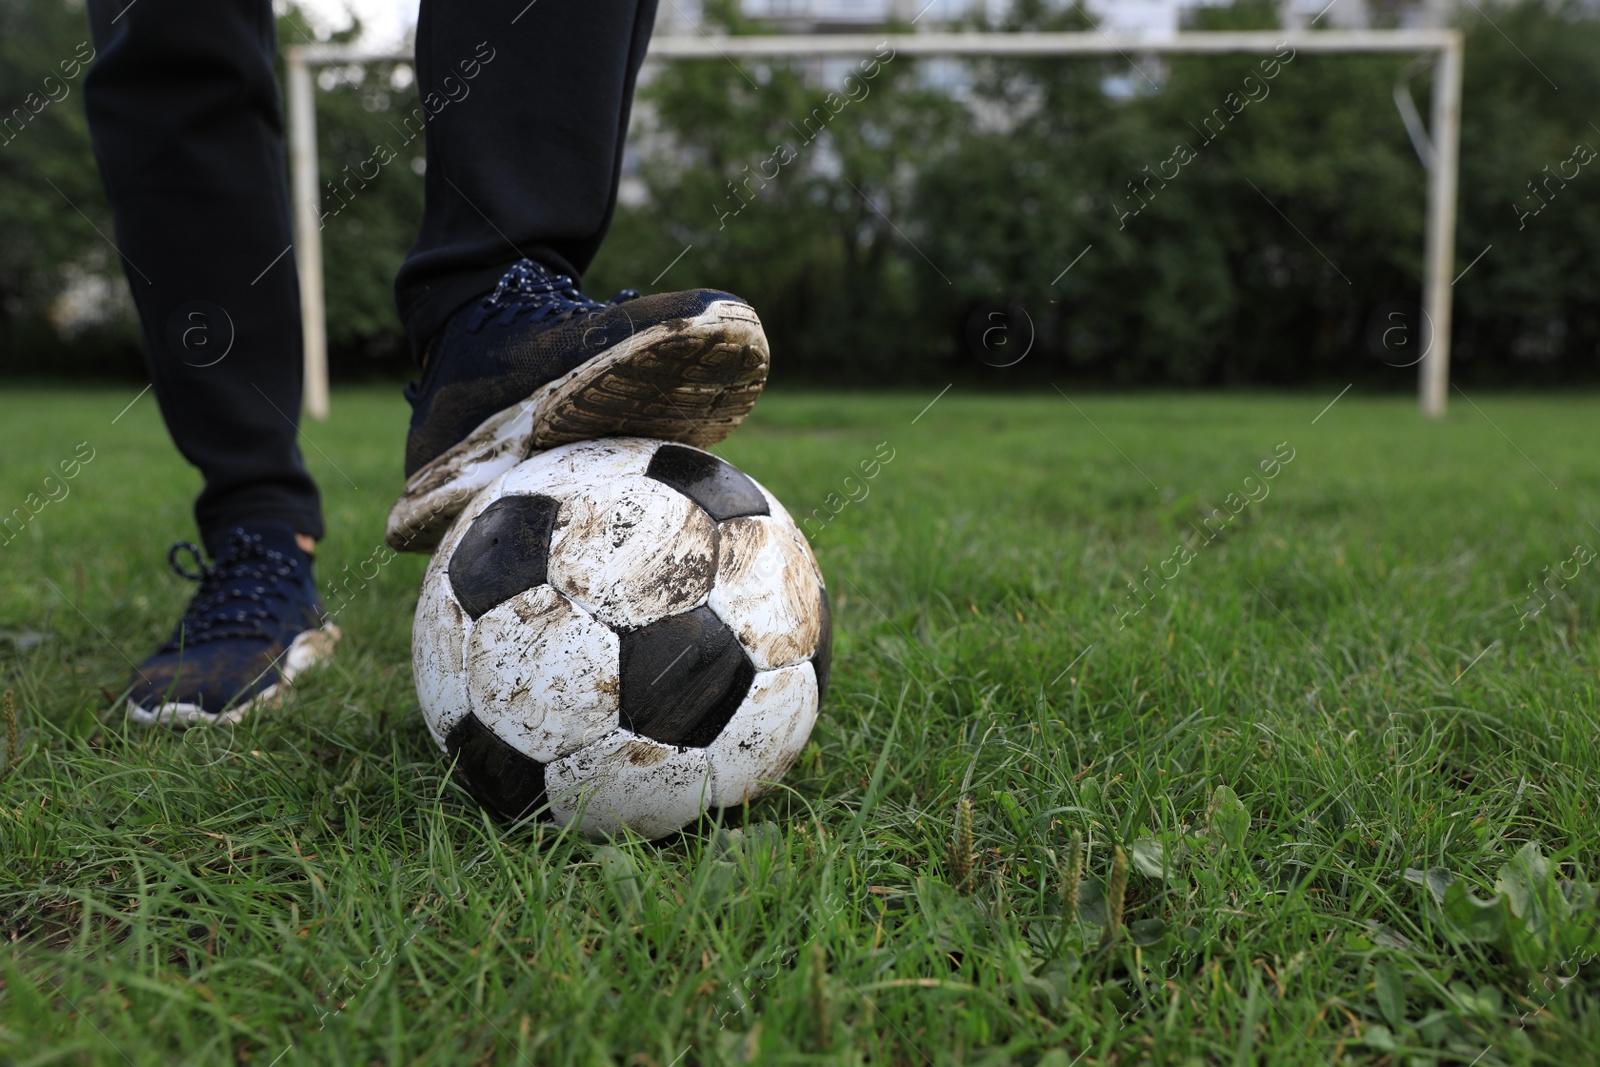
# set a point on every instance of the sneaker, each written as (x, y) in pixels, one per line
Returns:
(254, 625)
(537, 364)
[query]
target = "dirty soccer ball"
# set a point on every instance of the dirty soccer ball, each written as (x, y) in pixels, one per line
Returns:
(622, 632)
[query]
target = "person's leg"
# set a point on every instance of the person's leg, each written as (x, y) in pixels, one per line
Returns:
(528, 109)
(185, 118)
(187, 127)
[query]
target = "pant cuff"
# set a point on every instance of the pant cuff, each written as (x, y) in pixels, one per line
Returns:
(215, 527)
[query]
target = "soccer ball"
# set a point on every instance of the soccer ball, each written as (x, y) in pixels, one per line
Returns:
(624, 633)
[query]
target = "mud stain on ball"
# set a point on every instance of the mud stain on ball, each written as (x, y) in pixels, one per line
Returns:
(764, 737)
(543, 675)
(563, 471)
(643, 754)
(626, 780)
(438, 659)
(633, 550)
(767, 592)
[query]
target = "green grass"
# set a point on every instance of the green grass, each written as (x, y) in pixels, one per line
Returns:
(1351, 658)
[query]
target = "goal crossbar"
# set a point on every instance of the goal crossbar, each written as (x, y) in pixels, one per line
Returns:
(1442, 162)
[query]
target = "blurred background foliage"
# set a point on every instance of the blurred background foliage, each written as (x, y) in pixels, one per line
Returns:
(942, 193)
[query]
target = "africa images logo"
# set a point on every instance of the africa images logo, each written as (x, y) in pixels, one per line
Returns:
(1400, 333)
(1000, 336)
(200, 333)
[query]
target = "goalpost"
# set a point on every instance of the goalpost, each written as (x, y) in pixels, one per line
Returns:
(1439, 152)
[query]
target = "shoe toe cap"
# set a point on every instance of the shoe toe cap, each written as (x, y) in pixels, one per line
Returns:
(208, 678)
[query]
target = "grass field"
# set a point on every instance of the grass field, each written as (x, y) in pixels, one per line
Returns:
(1343, 677)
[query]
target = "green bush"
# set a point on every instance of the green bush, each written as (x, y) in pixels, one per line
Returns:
(882, 223)
(1263, 260)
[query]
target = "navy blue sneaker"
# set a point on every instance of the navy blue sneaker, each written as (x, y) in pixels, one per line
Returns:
(537, 364)
(253, 626)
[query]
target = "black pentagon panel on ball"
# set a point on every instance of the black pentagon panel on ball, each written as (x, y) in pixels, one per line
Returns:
(722, 489)
(499, 777)
(683, 677)
(822, 661)
(506, 551)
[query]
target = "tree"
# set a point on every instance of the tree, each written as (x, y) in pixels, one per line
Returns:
(52, 207)
(1226, 220)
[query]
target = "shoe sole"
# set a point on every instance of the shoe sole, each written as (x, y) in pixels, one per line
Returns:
(309, 649)
(689, 380)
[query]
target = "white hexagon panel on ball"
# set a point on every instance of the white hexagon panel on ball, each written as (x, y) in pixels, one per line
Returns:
(764, 737)
(624, 780)
(767, 591)
(542, 674)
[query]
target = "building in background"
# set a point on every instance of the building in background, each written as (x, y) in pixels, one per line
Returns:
(1141, 18)
(1148, 19)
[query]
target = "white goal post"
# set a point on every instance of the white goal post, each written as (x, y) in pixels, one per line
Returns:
(1440, 157)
